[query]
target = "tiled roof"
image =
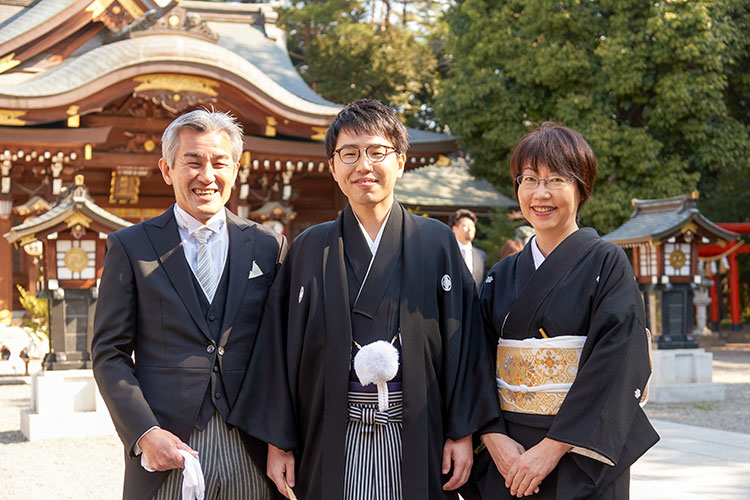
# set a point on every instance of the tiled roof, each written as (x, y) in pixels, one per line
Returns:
(452, 185)
(64, 208)
(30, 18)
(656, 219)
(106, 59)
(271, 58)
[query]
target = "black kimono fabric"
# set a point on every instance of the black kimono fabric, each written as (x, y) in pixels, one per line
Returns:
(374, 306)
(303, 356)
(584, 287)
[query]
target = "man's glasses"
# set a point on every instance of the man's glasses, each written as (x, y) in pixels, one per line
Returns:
(374, 152)
(553, 182)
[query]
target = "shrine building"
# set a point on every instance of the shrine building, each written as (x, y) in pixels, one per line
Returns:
(88, 86)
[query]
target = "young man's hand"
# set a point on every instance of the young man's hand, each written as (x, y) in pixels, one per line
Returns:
(461, 455)
(280, 467)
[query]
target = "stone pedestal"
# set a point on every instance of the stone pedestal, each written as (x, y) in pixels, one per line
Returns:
(71, 329)
(683, 376)
(65, 403)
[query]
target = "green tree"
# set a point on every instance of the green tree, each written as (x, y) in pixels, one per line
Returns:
(347, 50)
(353, 60)
(647, 84)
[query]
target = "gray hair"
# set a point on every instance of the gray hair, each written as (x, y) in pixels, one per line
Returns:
(202, 120)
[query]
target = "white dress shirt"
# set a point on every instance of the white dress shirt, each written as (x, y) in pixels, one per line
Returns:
(467, 254)
(218, 244)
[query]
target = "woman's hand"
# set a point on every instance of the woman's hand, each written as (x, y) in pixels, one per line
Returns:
(533, 466)
(503, 450)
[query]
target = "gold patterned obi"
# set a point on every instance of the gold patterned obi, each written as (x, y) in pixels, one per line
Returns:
(534, 375)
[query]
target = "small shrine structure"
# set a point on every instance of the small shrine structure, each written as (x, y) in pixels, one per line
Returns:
(73, 238)
(664, 235)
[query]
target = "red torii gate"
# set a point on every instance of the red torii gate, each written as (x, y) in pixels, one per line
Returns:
(730, 250)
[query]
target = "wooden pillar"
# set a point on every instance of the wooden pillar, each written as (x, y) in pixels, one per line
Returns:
(734, 291)
(6, 266)
(715, 302)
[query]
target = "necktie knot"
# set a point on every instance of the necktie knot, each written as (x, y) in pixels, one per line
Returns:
(202, 235)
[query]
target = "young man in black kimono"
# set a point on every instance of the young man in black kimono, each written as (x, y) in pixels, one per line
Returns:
(377, 274)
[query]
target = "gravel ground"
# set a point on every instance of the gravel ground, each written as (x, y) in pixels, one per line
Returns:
(92, 468)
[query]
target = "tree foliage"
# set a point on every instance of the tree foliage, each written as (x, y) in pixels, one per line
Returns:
(659, 90)
(387, 50)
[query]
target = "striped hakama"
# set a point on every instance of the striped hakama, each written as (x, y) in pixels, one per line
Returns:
(228, 471)
(373, 447)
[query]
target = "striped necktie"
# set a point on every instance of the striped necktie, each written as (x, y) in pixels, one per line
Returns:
(206, 273)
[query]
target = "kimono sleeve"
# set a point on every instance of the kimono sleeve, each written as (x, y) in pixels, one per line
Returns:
(473, 402)
(264, 405)
(490, 336)
(601, 406)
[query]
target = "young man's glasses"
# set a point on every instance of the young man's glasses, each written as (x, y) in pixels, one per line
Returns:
(553, 182)
(374, 152)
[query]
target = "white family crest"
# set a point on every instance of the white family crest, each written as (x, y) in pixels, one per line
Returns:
(489, 279)
(301, 294)
(445, 282)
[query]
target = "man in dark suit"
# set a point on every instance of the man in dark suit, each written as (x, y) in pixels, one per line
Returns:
(463, 223)
(184, 293)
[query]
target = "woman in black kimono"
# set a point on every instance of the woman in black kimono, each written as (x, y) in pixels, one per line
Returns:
(566, 321)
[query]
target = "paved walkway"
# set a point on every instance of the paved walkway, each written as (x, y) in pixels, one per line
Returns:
(691, 463)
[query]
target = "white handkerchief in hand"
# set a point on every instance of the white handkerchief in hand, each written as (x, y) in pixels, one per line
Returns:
(193, 485)
(255, 271)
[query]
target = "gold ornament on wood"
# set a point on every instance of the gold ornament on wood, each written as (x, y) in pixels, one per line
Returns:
(677, 258)
(76, 259)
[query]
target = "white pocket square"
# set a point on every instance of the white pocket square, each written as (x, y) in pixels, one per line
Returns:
(255, 271)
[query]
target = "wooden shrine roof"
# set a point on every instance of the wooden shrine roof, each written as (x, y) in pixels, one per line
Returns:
(658, 219)
(76, 199)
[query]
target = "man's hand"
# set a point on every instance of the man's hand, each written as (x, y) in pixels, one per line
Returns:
(160, 447)
(280, 466)
(503, 450)
(459, 453)
(533, 466)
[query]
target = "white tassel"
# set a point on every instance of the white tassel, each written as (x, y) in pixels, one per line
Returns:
(377, 363)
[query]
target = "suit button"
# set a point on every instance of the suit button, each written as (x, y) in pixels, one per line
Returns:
(221, 350)
(211, 318)
(218, 395)
(216, 368)
(210, 349)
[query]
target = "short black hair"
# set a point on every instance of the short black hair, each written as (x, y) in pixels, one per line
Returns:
(459, 214)
(368, 116)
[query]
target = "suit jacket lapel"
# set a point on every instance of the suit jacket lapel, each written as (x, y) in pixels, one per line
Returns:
(165, 238)
(241, 246)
